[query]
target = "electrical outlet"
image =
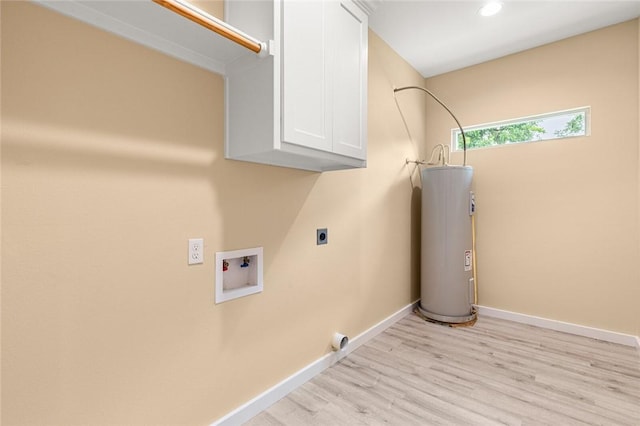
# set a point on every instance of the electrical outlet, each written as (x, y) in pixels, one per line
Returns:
(322, 236)
(196, 251)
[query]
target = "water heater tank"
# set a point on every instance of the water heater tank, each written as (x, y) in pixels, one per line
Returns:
(446, 272)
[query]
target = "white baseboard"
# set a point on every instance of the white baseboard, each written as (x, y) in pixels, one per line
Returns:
(580, 330)
(270, 396)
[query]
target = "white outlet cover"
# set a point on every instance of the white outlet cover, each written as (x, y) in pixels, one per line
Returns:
(196, 251)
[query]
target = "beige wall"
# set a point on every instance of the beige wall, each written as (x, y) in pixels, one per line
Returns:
(558, 220)
(112, 157)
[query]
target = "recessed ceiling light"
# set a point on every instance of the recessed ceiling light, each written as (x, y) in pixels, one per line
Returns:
(490, 8)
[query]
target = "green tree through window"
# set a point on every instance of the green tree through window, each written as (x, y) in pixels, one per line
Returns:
(555, 125)
(500, 135)
(574, 127)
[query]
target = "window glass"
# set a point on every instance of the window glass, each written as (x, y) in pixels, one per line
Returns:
(555, 125)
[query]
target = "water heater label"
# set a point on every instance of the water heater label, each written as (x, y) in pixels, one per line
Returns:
(467, 260)
(472, 203)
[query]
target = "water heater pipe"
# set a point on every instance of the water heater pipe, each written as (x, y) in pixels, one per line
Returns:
(464, 138)
(443, 155)
(473, 259)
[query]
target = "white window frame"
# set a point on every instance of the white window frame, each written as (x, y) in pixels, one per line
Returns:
(586, 110)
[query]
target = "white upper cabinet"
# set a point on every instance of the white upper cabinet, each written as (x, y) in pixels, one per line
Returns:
(306, 74)
(349, 95)
(305, 106)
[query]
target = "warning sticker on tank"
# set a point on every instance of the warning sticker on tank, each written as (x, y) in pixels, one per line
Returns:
(467, 260)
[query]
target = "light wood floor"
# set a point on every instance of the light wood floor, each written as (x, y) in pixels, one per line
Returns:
(496, 372)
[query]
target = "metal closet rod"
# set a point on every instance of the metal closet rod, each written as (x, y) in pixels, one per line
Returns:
(212, 23)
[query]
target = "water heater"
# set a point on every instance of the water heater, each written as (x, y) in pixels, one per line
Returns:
(446, 273)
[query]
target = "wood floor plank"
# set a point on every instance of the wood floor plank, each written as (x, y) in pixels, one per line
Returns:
(494, 373)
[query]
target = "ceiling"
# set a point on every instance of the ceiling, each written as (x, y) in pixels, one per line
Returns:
(440, 36)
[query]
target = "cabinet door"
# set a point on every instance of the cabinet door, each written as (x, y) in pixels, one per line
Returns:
(306, 76)
(348, 46)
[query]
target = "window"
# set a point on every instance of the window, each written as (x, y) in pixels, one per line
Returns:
(554, 125)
